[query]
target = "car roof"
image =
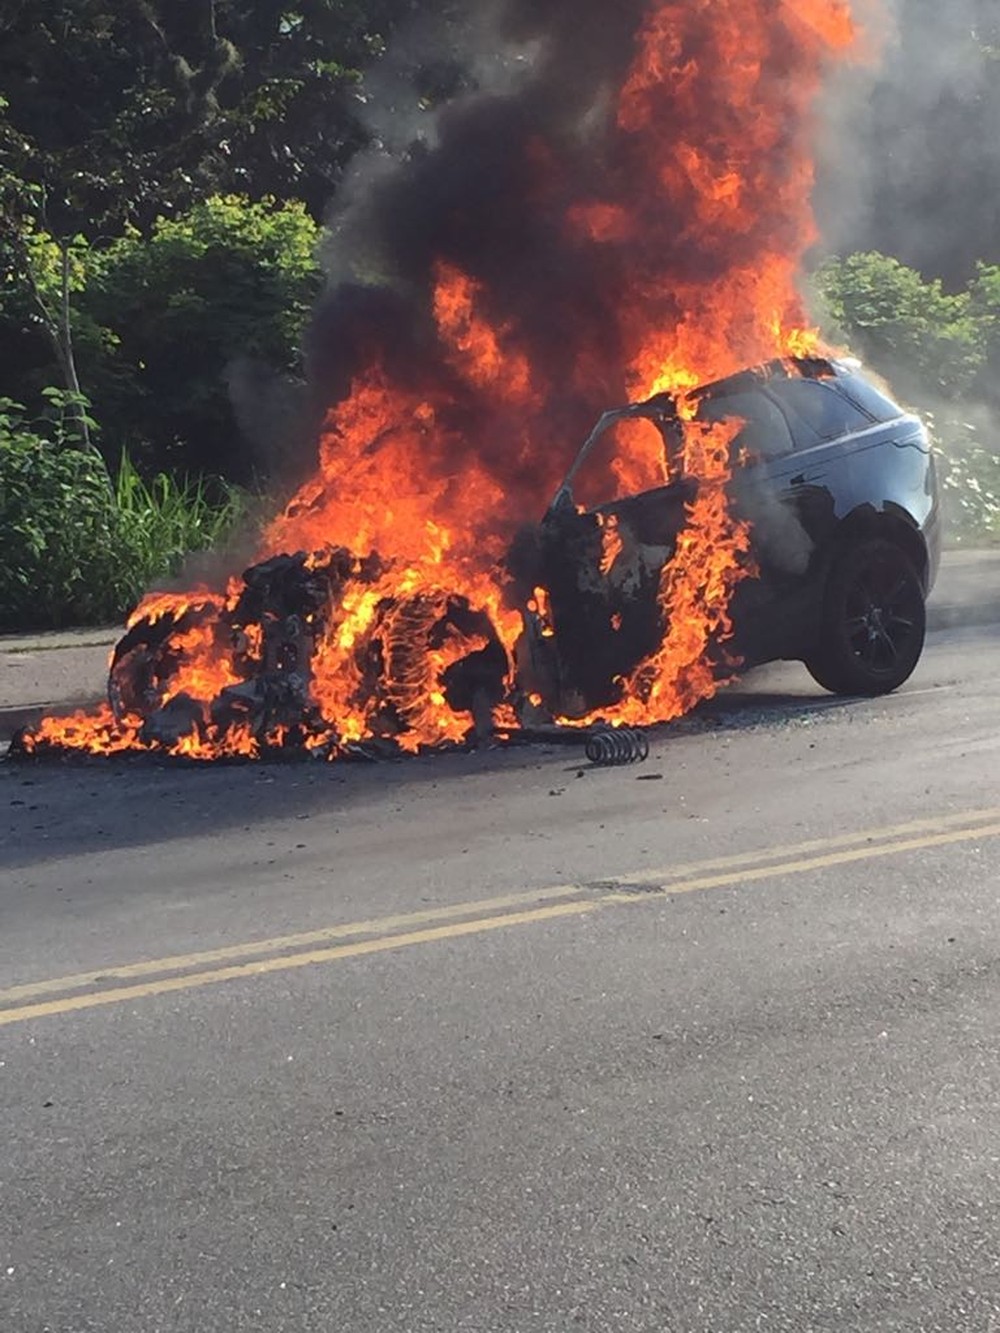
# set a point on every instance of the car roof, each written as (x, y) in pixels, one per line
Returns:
(790, 367)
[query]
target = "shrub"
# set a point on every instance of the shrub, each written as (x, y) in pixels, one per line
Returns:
(79, 546)
(916, 334)
(64, 554)
(162, 321)
(940, 352)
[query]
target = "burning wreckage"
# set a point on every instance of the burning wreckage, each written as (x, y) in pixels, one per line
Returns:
(625, 219)
(827, 508)
(241, 674)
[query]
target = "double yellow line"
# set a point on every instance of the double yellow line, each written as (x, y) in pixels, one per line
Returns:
(357, 939)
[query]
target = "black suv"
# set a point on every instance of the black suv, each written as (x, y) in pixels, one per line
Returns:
(838, 485)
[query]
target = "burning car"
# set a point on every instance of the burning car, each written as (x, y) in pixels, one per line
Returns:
(817, 489)
(556, 245)
(836, 485)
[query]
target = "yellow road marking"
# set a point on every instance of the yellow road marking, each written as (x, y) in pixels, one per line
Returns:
(285, 943)
(456, 929)
(940, 823)
(262, 966)
(782, 868)
(691, 870)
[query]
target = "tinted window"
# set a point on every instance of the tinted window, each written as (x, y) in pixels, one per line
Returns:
(821, 408)
(876, 404)
(765, 434)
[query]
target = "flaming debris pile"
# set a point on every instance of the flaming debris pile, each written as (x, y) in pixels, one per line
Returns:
(626, 217)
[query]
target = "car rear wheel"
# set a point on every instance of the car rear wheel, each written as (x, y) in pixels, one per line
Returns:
(874, 622)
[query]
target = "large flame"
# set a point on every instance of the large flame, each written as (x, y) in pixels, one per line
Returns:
(683, 233)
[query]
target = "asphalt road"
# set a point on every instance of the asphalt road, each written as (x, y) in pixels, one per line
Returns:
(496, 1042)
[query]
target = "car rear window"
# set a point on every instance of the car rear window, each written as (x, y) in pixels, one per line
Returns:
(875, 403)
(826, 413)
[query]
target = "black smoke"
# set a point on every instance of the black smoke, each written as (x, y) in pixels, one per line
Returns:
(484, 184)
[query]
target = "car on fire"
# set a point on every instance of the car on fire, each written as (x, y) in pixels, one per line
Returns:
(837, 483)
(831, 483)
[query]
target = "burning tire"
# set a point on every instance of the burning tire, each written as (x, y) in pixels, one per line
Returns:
(875, 621)
(440, 658)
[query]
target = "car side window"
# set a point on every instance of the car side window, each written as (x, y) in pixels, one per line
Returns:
(765, 432)
(825, 413)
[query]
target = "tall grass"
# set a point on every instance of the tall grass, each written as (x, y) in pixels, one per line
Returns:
(165, 519)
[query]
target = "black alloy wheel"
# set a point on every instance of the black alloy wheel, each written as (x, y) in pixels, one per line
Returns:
(875, 621)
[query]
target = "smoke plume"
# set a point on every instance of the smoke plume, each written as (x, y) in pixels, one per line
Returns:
(910, 163)
(594, 219)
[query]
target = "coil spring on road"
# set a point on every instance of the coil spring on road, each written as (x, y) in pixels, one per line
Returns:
(614, 747)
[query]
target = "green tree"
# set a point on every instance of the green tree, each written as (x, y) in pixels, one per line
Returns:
(119, 114)
(163, 320)
(39, 273)
(930, 343)
(123, 110)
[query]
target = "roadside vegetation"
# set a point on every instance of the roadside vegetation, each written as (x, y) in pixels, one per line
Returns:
(164, 174)
(940, 352)
(81, 542)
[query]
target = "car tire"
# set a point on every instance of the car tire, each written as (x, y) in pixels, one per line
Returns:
(874, 622)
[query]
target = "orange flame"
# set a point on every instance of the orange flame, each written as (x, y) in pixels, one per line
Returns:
(696, 586)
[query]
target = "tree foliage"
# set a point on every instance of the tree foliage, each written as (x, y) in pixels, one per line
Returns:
(898, 320)
(120, 117)
(162, 322)
(129, 132)
(157, 324)
(125, 110)
(941, 353)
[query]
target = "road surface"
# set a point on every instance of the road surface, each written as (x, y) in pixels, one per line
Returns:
(500, 1043)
